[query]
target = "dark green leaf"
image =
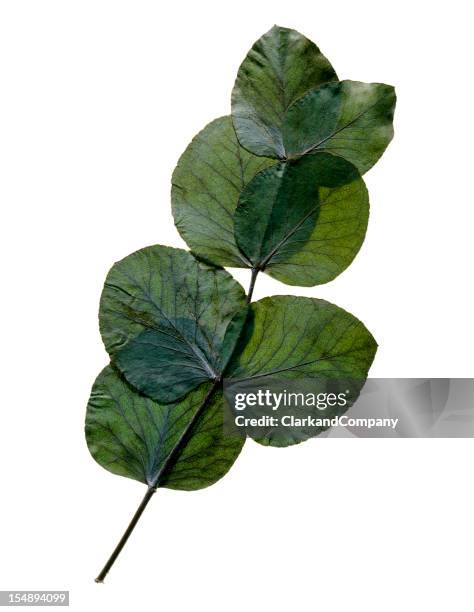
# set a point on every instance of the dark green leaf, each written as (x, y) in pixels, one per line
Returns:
(280, 67)
(303, 221)
(132, 435)
(163, 318)
(350, 119)
(207, 183)
(304, 339)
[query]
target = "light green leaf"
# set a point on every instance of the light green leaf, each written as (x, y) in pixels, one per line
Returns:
(132, 435)
(303, 221)
(164, 318)
(207, 183)
(280, 67)
(350, 119)
(300, 339)
(301, 336)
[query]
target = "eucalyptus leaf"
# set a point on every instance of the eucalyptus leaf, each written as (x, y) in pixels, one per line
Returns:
(168, 321)
(350, 119)
(300, 339)
(134, 436)
(279, 68)
(206, 186)
(303, 221)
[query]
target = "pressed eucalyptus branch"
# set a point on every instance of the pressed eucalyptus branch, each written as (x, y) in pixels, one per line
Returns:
(276, 188)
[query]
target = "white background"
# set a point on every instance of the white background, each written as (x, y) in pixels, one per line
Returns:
(98, 99)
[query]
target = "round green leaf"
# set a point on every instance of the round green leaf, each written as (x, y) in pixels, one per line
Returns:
(300, 339)
(303, 221)
(350, 119)
(207, 183)
(280, 67)
(164, 319)
(132, 435)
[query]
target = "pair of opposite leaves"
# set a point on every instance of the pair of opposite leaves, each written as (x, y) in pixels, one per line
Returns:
(173, 325)
(277, 186)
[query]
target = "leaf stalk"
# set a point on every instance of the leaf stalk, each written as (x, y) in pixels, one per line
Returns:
(253, 278)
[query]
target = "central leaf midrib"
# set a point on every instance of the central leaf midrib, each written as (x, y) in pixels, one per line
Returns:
(170, 459)
(275, 250)
(295, 367)
(207, 366)
(343, 127)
